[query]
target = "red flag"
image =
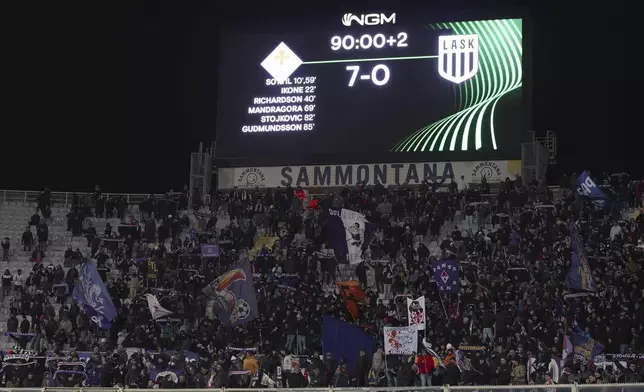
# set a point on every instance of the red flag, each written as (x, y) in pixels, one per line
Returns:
(353, 296)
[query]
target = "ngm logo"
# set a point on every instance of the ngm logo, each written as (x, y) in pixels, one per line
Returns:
(586, 187)
(368, 19)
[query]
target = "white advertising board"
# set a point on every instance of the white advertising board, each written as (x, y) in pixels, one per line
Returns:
(325, 176)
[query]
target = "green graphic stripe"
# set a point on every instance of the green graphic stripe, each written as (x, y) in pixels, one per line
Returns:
(500, 72)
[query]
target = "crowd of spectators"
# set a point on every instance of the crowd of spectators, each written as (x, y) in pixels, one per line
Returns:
(514, 305)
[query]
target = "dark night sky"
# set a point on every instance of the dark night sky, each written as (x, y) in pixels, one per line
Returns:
(122, 93)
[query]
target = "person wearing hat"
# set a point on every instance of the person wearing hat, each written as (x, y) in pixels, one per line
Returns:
(452, 372)
(449, 357)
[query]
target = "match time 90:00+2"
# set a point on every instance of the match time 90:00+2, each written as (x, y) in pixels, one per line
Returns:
(368, 41)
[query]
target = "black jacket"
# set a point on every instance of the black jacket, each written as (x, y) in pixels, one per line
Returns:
(452, 375)
(296, 380)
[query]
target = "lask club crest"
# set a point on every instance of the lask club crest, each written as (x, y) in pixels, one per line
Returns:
(458, 57)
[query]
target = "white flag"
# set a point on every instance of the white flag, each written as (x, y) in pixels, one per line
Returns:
(416, 312)
(156, 310)
(354, 227)
(401, 340)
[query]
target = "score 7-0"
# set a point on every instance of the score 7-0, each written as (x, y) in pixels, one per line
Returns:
(379, 74)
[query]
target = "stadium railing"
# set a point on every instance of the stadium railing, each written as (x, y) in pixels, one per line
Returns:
(499, 388)
(58, 198)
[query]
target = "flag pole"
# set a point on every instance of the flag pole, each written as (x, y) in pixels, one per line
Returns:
(384, 353)
(443, 306)
(424, 319)
(440, 298)
(386, 368)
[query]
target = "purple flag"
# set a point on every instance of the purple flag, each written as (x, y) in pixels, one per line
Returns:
(92, 296)
(585, 348)
(234, 295)
(447, 276)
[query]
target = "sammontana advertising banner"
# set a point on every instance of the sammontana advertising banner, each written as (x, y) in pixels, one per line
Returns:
(322, 176)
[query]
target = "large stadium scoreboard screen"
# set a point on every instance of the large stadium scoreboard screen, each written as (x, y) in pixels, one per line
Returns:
(374, 85)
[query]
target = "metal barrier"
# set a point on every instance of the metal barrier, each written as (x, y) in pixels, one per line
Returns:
(483, 388)
(58, 198)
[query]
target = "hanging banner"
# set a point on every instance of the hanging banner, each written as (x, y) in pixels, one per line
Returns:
(401, 340)
(416, 312)
(327, 176)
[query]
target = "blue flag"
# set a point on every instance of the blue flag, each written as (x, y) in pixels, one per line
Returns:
(579, 277)
(92, 296)
(348, 231)
(234, 294)
(447, 276)
(585, 348)
(345, 340)
(586, 187)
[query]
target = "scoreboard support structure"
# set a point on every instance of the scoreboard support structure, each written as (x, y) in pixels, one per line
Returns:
(201, 172)
(537, 154)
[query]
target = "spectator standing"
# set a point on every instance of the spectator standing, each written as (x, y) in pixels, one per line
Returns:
(7, 281)
(341, 378)
(6, 247)
(90, 233)
(469, 215)
(19, 282)
(27, 239)
(462, 185)
(362, 367)
(35, 218)
(43, 235)
(425, 365)
(46, 214)
(518, 372)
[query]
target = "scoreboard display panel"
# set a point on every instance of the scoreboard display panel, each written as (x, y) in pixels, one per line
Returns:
(373, 87)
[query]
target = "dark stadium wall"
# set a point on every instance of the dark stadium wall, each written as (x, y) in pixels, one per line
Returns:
(121, 96)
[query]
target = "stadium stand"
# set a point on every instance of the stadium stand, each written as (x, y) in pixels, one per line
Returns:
(517, 314)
